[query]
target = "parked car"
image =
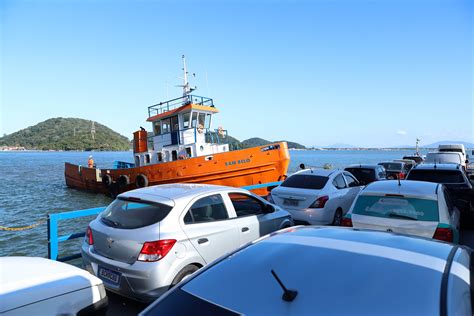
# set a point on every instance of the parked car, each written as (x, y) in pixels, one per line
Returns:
(455, 148)
(395, 170)
(409, 163)
(452, 176)
(149, 239)
(366, 174)
(446, 157)
(39, 286)
(408, 207)
(328, 271)
(415, 158)
(317, 196)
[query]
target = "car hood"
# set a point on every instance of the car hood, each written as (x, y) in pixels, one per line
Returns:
(26, 280)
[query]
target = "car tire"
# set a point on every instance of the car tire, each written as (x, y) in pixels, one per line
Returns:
(188, 270)
(337, 221)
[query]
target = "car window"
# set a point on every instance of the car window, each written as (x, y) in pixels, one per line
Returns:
(436, 176)
(246, 205)
(303, 181)
(449, 202)
(351, 181)
(397, 208)
(127, 214)
(338, 182)
(208, 209)
(392, 166)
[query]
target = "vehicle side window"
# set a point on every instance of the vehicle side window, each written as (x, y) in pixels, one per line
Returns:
(338, 182)
(351, 181)
(246, 205)
(449, 202)
(208, 209)
(381, 172)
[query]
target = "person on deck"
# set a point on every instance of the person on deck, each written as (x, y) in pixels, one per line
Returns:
(90, 162)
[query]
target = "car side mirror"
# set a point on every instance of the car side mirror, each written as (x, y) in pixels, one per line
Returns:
(269, 208)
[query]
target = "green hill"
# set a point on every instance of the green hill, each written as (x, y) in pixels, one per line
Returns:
(67, 134)
(255, 141)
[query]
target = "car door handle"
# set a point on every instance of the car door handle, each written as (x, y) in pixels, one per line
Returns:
(245, 229)
(202, 240)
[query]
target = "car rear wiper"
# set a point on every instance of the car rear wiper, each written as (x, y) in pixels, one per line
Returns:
(402, 216)
(110, 222)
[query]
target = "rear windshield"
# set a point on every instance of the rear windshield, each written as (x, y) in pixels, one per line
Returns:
(436, 176)
(397, 208)
(391, 166)
(456, 150)
(130, 214)
(362, 174)
(305, 182)
(414, 158)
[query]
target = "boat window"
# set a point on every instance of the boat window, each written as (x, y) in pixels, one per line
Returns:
(246, 205)
(208, 121)
(174, 155)
(174, 124)
(186, 119)
(202, 119)
(147, 158)
(208, 209)
(194, 119)
(166, 126)
(157, 127)
(188, 152)
(160, 157)
(137, 160)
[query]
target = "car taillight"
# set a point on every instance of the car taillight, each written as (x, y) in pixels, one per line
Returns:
(89, 238)
(320, 202)
(155, 250)
(445, 234)
(401, 176)
(270, 198)
(346, 221)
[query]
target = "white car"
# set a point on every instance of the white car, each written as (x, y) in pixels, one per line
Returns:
(39, 286)
(317, 196)
(150, 239)
(408, 207)
(446, 157)
(309, 270)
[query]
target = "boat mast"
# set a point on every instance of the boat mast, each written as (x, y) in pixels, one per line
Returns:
(186, 89)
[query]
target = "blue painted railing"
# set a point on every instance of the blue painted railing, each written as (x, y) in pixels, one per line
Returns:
(53, 220)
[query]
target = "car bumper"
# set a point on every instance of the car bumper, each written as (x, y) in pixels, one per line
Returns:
(142, 281)
(313, 216)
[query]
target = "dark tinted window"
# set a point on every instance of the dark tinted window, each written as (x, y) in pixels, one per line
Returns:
(364, 175)
(338, 182)
(305, 182)
(208, 209)
(391, 166)
(437, 176)
(417, 159)
(245, 205)
(131, 214)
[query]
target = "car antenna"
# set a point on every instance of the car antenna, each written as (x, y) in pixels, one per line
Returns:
(399, 183)
(288, 295)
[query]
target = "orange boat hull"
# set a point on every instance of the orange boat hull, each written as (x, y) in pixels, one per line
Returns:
(234, 168)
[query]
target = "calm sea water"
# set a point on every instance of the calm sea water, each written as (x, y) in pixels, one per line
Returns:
(32, 185)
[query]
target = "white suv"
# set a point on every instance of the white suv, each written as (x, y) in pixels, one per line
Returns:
(317, 196)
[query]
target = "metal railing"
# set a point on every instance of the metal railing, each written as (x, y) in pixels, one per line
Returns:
(166, 106)
(53, 220)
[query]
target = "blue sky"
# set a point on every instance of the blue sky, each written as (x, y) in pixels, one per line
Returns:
(368, 73)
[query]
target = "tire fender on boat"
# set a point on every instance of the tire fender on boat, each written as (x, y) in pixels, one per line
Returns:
(107, 180)
(123, 180)
(141, 181)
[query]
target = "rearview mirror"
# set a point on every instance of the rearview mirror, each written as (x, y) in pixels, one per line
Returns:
(269, 208)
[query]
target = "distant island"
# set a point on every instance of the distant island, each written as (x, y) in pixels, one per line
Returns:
(67, 134)
(84, 135)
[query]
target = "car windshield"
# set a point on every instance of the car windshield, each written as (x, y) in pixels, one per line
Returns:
(391, 166)
(397, 207)
(443, 158)
(364, 175)
(128, 214)
(303, 181)
(436, 176)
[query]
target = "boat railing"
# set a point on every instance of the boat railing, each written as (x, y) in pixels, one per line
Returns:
(55, 218)
(167, 106)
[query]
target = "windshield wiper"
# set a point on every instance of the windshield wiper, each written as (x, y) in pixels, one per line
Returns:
(402, 216)
(110, 222)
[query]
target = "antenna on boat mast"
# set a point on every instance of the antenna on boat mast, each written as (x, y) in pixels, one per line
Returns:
(187, 89)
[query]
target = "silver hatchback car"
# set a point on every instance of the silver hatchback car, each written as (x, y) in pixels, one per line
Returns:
(148, 240)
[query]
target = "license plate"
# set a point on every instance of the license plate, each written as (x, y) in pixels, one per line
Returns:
(109, 275)
(290, 202)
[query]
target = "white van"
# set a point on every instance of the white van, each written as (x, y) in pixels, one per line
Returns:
(39, 286)
(446, 157)
(455, 148)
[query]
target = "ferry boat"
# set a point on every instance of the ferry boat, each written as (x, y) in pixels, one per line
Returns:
(184, 148)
